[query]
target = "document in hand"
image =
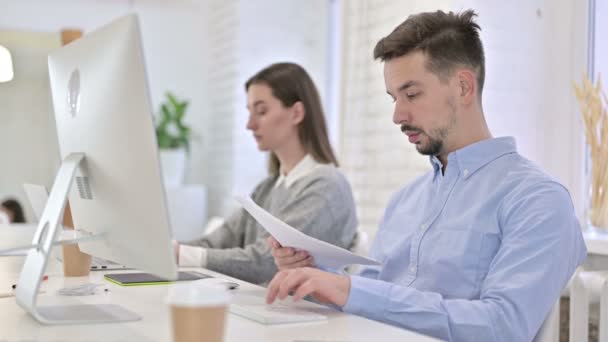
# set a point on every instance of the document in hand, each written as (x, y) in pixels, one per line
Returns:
(326, 255)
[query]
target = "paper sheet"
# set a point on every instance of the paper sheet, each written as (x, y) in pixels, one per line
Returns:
(325, 255)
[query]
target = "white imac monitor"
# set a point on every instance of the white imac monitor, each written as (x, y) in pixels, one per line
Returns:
(110, 167)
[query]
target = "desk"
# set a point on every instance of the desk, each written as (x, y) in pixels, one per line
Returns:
(596, 243)
(597, 251)
(149, 302)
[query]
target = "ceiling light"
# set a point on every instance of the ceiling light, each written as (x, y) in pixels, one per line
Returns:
(6, 65)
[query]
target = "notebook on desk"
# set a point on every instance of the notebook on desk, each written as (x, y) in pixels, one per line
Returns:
(140, 278)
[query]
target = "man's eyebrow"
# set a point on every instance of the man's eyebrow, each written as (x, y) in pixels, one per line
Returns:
(258, 102)
(404, 87)
(408, 84)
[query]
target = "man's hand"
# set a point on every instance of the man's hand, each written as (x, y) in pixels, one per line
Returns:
(287, 258)
(328, 288)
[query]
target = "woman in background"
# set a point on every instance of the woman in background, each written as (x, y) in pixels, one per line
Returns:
(304, 188)
(11, 211)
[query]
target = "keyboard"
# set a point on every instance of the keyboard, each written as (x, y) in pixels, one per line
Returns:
(275, 314)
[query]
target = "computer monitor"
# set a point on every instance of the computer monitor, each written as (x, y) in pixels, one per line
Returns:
(108, 149)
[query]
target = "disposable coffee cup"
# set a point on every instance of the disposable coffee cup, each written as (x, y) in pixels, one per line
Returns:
(198, 311)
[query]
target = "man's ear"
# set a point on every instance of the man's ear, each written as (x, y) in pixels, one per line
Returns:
(467, 84)
(298, 112)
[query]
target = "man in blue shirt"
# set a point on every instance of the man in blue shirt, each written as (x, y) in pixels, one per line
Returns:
(479, 248)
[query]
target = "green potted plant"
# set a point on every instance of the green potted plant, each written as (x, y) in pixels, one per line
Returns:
(173, 137)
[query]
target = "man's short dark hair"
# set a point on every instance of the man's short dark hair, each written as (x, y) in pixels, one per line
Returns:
(447, 39)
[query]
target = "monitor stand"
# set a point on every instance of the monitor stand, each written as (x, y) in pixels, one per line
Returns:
(37, 258)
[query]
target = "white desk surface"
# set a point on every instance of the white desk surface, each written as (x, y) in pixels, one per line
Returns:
(597, 243)
(149, 302)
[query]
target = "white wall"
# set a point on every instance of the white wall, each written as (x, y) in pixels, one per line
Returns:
(601, 44)
(176, 39)
(527, 93)
(250, 36)
(174, 44)
(201, 50)
(376, 157)
(285, 31)
(534, 50)
(222, 73)
(28, 148)
(205, 50)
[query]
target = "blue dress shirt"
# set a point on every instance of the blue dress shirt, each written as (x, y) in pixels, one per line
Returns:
(480, 253)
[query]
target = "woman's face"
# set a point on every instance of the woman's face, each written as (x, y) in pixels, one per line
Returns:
(271, 123)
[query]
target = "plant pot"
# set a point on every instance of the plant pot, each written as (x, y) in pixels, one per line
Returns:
(173, 165)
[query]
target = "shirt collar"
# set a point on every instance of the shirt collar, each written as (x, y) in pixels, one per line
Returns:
(473, 157)
(436, 164)
(302, 168)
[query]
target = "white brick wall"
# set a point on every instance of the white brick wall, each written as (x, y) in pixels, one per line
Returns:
(221, 43)
(529, 73)
(375, 155)
(253, 34)
(527, 92)
(222, 73)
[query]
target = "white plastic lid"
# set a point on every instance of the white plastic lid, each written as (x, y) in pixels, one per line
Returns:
(197, 293)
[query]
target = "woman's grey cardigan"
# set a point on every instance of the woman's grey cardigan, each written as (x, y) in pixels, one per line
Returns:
(319, 204)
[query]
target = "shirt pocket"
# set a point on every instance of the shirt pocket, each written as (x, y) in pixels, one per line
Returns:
(459, 259)
(489, 248)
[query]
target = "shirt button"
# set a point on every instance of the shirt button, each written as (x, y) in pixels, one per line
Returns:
(422, 227)
(412, 269)
(465, 172)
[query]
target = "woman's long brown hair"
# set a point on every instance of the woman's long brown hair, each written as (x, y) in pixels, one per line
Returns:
(290, 83)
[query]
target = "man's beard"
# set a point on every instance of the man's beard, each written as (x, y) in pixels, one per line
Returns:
(434, 146)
